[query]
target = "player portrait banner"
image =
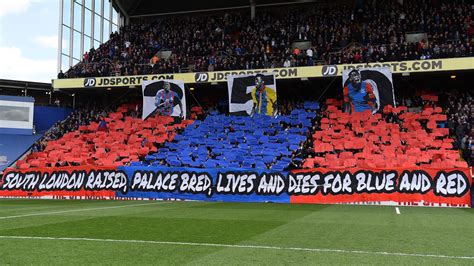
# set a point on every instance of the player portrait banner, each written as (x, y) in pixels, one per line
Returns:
(252, 94)
(164, 97)
(408, 186)
(367, 89)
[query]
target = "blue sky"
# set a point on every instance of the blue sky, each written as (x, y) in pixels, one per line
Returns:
(28, 39)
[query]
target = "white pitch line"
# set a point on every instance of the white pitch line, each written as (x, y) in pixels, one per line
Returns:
(397, 210)
(320, 250)
(76, 210)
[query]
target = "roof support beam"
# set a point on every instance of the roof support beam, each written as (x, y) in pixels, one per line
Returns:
(216, 9)
(252, 9)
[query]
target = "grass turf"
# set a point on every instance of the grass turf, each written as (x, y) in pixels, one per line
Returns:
(436, 231)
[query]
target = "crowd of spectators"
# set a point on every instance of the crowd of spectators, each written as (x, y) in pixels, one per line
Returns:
(231, 40)
(80, 117)
(460, 112)
(459, 108)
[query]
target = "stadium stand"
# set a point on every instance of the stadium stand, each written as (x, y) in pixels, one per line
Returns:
(13, 147)
(238, 142)
(83, 116)
(303, 137)
(396, 138)
(339, 33)
(122, 138)
(111, 141)
(461, 123)
(315, 142)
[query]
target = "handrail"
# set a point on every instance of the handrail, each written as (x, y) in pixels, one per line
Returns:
(414, 32)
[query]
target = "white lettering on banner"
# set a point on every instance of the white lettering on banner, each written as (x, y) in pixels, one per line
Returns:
(154, 181)
(67, 181)
(303, 184)
(236, 183)
(417, 182)
(107, 180)
(444, 184)
(451, 184)
(202, 77)
(271, 184)
(89, 82)
(195, 183)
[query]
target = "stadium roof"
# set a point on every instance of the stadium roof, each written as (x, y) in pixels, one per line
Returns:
(20, 84)
(139, 8)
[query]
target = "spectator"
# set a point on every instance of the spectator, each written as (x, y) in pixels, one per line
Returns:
(231, 41)
(60, 74)
(309, 53)
(77, 118)
(296, 51)
(461, 121)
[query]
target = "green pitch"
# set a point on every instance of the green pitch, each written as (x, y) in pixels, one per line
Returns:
(121, 232)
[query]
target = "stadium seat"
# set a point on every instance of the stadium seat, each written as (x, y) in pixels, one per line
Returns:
(374, 142)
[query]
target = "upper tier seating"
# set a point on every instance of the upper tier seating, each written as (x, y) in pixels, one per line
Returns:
(374, 32)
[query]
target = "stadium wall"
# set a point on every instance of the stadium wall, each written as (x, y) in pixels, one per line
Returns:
(47, 116)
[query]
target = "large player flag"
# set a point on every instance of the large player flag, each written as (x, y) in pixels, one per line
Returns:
(367, 89)
(252, 94)
(164, 97)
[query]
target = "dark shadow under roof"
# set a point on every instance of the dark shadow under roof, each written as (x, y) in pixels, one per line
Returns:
(149, 7)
